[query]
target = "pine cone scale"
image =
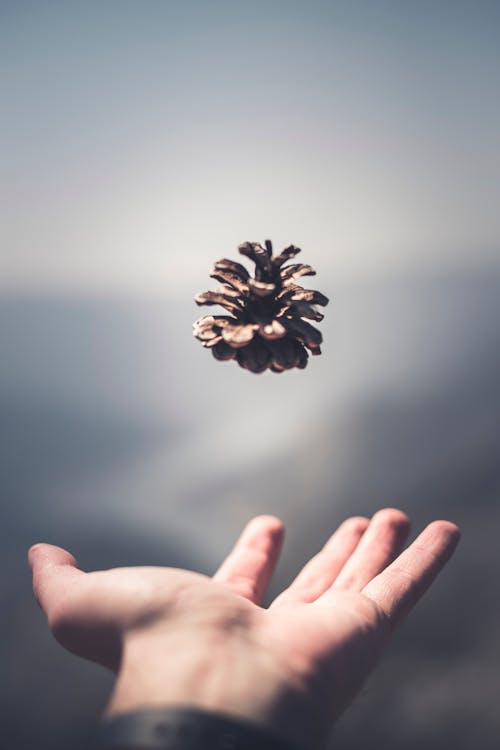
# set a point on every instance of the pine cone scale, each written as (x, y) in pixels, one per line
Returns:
(305, 310)
(232, 280)
(224, 264)
(261, 288)
(289, 252)
(273, 330)
(238, 335)
(296, 271)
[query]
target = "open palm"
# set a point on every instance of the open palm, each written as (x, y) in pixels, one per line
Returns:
(175, 637)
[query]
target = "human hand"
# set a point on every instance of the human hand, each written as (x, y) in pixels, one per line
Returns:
(178, 638)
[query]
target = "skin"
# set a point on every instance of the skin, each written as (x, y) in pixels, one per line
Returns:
(178, 638)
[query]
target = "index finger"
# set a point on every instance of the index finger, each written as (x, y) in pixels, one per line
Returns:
(399, 587)
(249, 567)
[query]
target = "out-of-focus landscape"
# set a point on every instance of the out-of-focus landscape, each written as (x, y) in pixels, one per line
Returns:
(142, 142)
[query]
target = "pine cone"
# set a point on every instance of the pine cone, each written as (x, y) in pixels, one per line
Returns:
(265, 326)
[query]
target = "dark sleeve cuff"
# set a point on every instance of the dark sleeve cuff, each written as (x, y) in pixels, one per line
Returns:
(183, 729)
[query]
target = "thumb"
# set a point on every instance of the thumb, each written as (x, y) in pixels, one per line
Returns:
(55, 571)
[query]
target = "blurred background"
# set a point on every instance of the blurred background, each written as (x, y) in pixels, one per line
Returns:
(143, 140)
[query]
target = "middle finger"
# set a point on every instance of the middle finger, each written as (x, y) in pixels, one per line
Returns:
(380, 545)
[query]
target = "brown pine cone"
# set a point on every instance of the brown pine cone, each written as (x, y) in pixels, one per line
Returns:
(265, 327)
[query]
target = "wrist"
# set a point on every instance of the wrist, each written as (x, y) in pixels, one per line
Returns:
(183, 672)
(184, 729)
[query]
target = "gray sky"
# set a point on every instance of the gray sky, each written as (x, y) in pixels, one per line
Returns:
(142, 140)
